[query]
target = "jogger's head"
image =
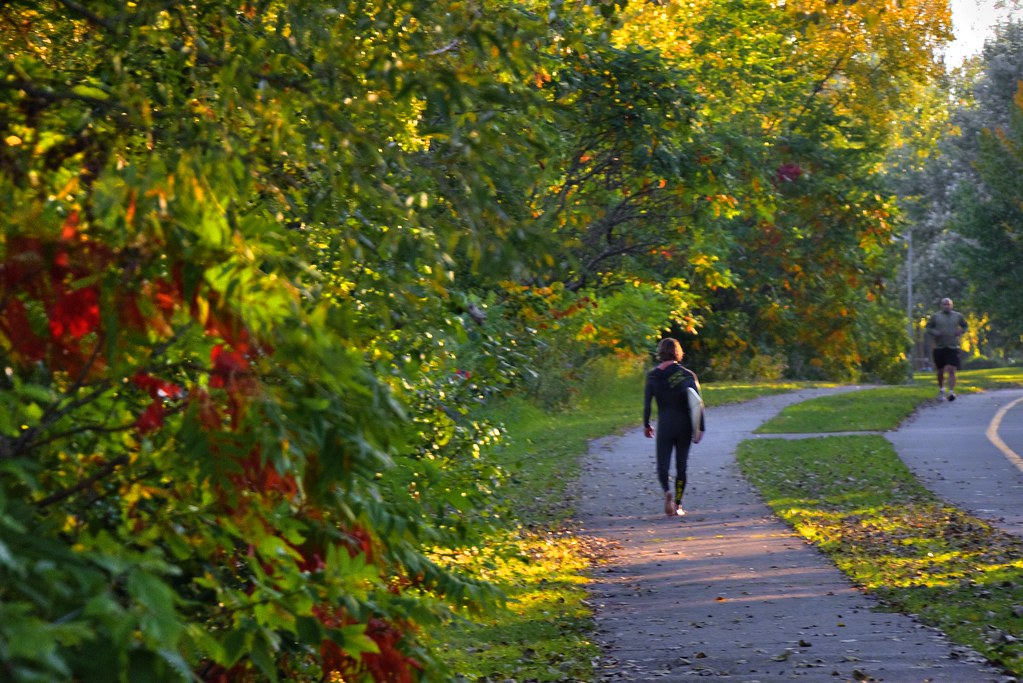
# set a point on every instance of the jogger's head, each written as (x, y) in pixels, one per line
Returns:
(669, 349)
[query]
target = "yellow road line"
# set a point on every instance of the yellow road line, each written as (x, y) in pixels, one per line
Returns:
(992, 435)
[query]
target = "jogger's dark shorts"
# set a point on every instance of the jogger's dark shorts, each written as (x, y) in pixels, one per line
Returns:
(944, 356)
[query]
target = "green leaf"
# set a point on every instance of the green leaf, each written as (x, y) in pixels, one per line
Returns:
(354, 640)
(236, 645)
(159, 622)
(262, 657)
(309, 630)
(90, 91)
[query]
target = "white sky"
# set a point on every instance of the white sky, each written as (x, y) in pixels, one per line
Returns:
(973, 21)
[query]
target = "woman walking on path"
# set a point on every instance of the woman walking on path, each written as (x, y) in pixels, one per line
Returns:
(669, 384)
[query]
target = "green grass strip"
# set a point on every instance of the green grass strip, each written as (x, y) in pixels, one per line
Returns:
(879, 408)
(719, 394)
(854, 498)
(992, 378)
(876, 409)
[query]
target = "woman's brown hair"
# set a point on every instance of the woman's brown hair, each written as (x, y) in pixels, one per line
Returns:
(669, 349)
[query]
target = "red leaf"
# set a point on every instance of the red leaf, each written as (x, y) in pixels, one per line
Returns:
(167, 296)
(157, 388)
(70, 228)
(151, 418)
(209, 416)
(788, 173)
(227, 363)
(75, 313)
(264, 477)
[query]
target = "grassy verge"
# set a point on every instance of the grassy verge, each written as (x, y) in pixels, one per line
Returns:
(539, 562)
(880, 408)
(854, 498)
(994, 378)
(738, 392)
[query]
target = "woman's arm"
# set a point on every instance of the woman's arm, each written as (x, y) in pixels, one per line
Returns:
(648, 397)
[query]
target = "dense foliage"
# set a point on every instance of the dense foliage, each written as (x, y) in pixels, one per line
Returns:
(206, 282)
(988, 212)
(802, 102)
(960, 187)
(259, 261)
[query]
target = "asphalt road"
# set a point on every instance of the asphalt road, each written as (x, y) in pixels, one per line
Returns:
(968, 452)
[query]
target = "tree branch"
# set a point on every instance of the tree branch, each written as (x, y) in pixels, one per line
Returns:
(87, 14)
(84, 484)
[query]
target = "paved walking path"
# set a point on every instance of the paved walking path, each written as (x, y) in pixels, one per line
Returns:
(730, 592)
(948, 449)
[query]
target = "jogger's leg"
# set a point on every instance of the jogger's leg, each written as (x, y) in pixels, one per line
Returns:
(681, 465)
(680, 488)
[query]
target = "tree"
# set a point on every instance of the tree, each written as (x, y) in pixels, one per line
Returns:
(962, 208)
(798, 105)
(989, 214)
(205, 281)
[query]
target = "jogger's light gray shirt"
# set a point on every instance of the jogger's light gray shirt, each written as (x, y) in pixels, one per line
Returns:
(943, 325)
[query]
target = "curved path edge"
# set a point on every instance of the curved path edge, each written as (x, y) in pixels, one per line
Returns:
(948, 447)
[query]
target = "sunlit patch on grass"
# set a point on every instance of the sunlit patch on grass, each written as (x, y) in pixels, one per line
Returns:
(541, 635)
(989, 378)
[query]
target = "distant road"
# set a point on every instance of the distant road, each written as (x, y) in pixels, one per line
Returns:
(970, 453)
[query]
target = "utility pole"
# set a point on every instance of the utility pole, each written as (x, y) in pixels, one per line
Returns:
(909, 302)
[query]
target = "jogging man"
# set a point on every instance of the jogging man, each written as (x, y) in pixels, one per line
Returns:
(946, 327)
